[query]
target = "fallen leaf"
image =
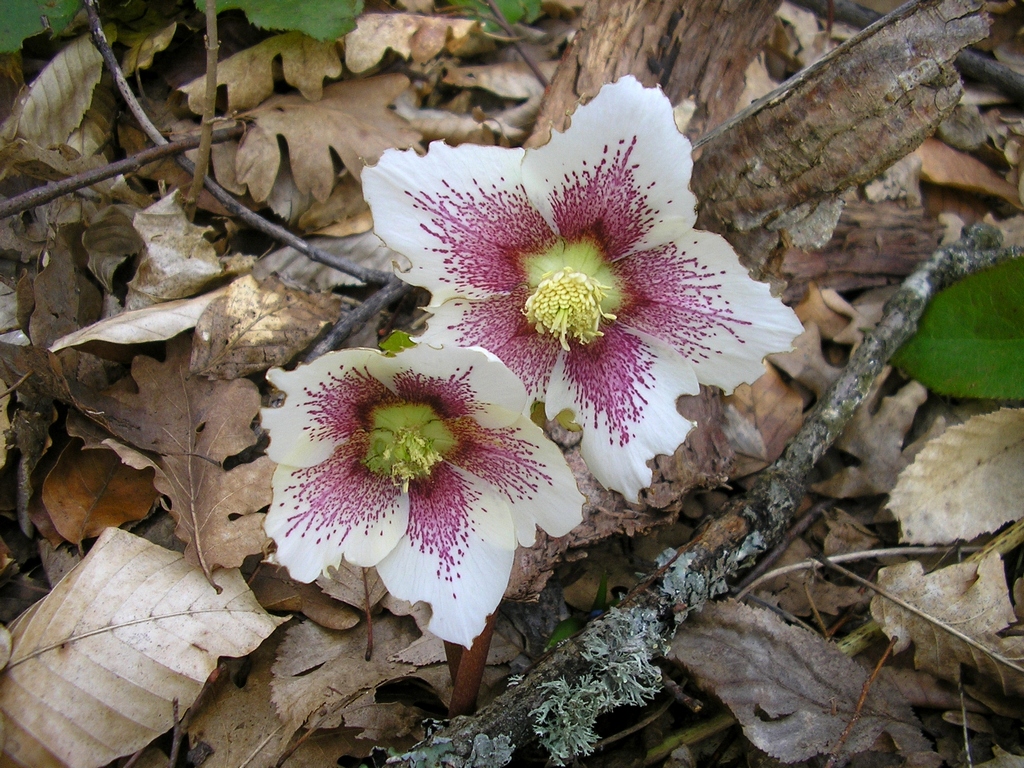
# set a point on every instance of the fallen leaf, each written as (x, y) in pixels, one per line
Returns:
(109, 240)
(143, 46)
(353, 585)
(804, 591)
(254, 326)
(277, 592)
(97, 664)
(352, 118)
(509, 79)
(967, 482)
(56, 290)
(1002, 759)
(88, 491)
(945, 166)
(410, 35)
(806, 363)
(249, 74)
(793, 693)
(972, 597)
(760, 419)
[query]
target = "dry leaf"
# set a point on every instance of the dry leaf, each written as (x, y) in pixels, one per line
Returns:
(88, 491)
(109, 240)
(760, 419)
(249, 74)
(973, 598)
(352, 118)
(806, 363)
(97, 664)
(965, 483)
(277, 592)
(509, 79)
(57, 293)
(254, 326)
(792, 692)
(353, 585)
(410, 35)
(143, 46)
(797, 591)
(943, 165)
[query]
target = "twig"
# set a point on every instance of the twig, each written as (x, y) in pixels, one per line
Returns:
(53, 190)
(692, 704)
(224, 197)
(369, 618)
(391, 292)
(514, 39)
(833, 755)
(175, 735)
(209, 110)
(971, 63)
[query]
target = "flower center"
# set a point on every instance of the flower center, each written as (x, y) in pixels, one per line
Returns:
(406, 442)
(573, 292)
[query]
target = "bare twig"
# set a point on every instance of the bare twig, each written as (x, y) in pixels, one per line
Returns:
(209, 109)
(53, 190)
(389, 293)
(514, 39)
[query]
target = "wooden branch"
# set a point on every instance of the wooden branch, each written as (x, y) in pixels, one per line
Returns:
(209, 111)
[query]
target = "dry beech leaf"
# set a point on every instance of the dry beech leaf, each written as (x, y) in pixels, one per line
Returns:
(60, 95)
(178, 260)
(90, 490)
(352, 118)
(760, 419)
(254, 326)
(320, 671)
(249, 74)
(352, 585)
(509, 80)
(277, 592)
(144, 46)
(792, 692)
(1002, 759)
(972, 597)
(948, 167)
(410, 35)
(195, 424)
(97, 664)
(109, 240)
(806, 363)
(826, 309)
(967, 482)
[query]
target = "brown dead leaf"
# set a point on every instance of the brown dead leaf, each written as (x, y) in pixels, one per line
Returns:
(945, 166)
(109, 240)
(249, 74)
(56, 291)
(760, 419)
(277, 592)
(845, 533)
(826, 309)
(797, 591)
(254, 326)
(965, 483)
(352, 118)
(411, 36)
(793, 693)
(353, 585)
(972, 597)
(806, 363)
(89, 491)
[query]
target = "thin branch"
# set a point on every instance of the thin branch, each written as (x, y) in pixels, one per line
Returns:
(391, 292)
(209, 110)
(514, 39)
(53, 190)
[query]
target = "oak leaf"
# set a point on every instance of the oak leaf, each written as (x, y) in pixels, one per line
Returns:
(411, 36)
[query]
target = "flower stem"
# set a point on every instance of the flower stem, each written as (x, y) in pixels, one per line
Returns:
(466, 666)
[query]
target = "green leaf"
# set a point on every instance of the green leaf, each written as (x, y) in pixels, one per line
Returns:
(23, 18)
(514, 11)
(396, 342)
(970, 342)
(316, 18)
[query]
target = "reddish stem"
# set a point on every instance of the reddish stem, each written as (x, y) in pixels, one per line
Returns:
(466, 666)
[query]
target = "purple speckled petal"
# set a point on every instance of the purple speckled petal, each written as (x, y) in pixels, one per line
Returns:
(623, 389)
(528, 469)
(459, 214)
(499, 326)
(326, 402)
(695, 295)
(337, 509)
(619, 176)
(456, 555)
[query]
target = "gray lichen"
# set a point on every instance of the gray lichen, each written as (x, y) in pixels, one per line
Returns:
(620, 648)
(486, 753)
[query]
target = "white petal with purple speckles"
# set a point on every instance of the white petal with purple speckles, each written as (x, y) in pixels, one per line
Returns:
(457, 554)
(623, 389)
(696, 296)
(619, 176)
(335, 510)
(459, 214)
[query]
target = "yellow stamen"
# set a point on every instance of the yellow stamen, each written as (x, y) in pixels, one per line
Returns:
(568, 302)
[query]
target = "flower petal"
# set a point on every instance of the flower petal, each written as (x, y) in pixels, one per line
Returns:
(499, 326)
(619, 175)
(456, 555)
(528, 469)
(459, 214)
(337, 509)
(326, 402)
(697, 297)
(623, 389)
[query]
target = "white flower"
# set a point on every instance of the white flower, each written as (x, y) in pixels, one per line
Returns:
(578, 265)
(422, 465)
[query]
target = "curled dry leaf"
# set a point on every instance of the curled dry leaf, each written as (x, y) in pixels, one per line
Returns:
(353, 585)
(97, 664)
(144, 46)
(943, 165)
(277, 592)
(109, 240)
(411, 36)
(760, 418)
(249, 74)
(352, 118)
(972, 597)
(792, 692)
(254, 326)
(967, 482)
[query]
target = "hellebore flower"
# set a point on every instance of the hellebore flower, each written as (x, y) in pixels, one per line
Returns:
(577, 264)
(422, 465)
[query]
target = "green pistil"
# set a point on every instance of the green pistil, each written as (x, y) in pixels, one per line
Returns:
(406, 442)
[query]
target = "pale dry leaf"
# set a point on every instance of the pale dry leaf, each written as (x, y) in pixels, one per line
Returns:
(92, 136)
(826, 309)
(109, 240)
(320, 672)
(509, 79)
(178, 262)
(249, 74)
(352, 119)
(410, 35)
(352, 585)
(806, 363)
(8, 308)
(792, 692)
(299, 270)
(967, 482)
(254, 326)
(144, 46)
(158, 322)
(945, 166)
(60, 95)
(1002, 759)
(276, 591)
(973, 598)
(97, 664)
(761, 418)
